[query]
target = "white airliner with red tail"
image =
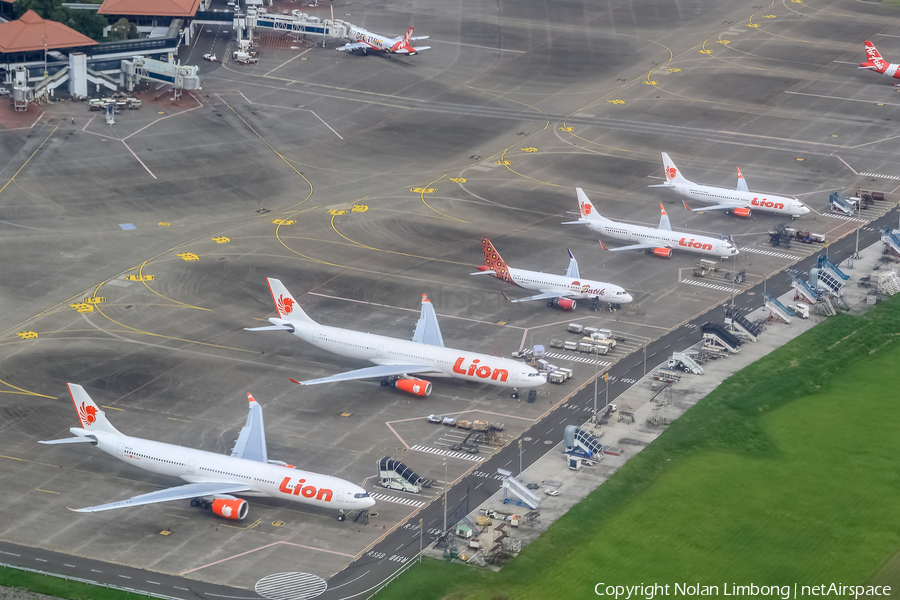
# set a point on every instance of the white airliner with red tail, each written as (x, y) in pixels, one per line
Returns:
(558, 290)
(397, 360)
(740, 201)
(363, 40)
(212, 479)
(874, 62)
(658, 241)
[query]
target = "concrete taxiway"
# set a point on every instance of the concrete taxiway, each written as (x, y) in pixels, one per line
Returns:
(136, 253)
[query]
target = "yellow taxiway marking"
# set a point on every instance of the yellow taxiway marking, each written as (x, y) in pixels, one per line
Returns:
(11, 179)
(47, 491)
(112, 408)
(19, 390)
(174, 419)
(253, 524)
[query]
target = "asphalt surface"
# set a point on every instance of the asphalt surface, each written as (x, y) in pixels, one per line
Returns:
(363, 182)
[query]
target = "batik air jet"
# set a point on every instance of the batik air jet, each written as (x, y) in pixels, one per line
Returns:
(396, 361)
(212, 479)
(659, 241)
(741, 201)
(557, 290)
(874, 62)
(366, 40)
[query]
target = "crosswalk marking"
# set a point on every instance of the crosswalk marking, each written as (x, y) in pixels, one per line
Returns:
(396, 500)
(708, 285)
(575, 358)
(460, 455)
(844, 217)
(768, 253)
(880, 176)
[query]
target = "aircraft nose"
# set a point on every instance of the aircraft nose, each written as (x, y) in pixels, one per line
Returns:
(369, 502)
(627, 298)
(804, 209)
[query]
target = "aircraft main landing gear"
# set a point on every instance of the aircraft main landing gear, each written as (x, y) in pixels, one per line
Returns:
(341, 516)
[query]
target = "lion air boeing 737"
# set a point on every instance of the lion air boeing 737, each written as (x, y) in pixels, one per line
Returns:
(557, 290)
(366, 40)
(396, 360)
(874, 62)
(741, 201)
(659, 241)
(212, 478)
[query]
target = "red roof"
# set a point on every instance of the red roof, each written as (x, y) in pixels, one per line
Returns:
(151, 8)
(31, 32)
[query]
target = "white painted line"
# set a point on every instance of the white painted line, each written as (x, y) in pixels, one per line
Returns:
(460, 455)
(396, 500)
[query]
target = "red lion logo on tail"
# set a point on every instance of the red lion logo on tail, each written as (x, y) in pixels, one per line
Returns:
(585, 209)
(87, 414)
(285, 305)
(670, 172)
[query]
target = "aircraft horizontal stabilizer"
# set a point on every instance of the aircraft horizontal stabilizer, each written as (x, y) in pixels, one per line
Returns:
(271, 328)
(662, 185)
(72, 440)
(579, 222)
(487, 272)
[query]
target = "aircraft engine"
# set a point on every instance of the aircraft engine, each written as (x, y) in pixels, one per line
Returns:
(562, 303)
(230, 507)
(417, 387)
(742, 212)
(663, 252)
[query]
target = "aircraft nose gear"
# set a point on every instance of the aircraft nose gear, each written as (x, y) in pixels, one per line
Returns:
(342, 516)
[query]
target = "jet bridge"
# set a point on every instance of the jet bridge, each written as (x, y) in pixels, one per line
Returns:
(180, 77)
(778, 311)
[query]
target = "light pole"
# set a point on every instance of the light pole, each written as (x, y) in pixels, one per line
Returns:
(645, 359)
(420, 540)
(520, 457)
(606, 377)
(444, 531)
(856, 253)
(733, 278)
(596, 375)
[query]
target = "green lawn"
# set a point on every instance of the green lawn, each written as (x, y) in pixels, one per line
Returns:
(59, 588)
(787, 472)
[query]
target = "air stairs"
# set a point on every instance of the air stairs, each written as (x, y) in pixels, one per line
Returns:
(825, 263)
(717, 336)
(582, 444)
(686, 362)
(889, 283)
(825, 307)
(738, 324)
(891, 240)
(841, 205)
(514, 491)
(777, 310)
(395, 475)
(827, 277)
(802, 291)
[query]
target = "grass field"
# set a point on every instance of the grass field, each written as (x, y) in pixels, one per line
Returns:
(60, 588)
(787, 472)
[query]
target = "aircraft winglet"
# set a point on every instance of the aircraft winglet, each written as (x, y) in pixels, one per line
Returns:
(250, 397)
(602, 245)
(505, 297)
(661, 208)
(295, 381)
(570, 253)
(424, 296)
(685, 205)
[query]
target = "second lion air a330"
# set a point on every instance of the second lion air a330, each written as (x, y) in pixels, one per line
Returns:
(367, 41)
(397, 360)
(557, 290)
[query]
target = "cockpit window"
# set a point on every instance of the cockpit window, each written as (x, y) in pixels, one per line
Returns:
(363, 495)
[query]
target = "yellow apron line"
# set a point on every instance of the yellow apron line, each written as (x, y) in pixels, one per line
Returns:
(141, 274)
(23, 391)
(29, 159)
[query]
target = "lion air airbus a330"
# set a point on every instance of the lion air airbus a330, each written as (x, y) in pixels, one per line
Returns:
(557, 290)
(659, 241)
(874, 62)
(741, 201)
(366, 41)
(212, 478)
(396, 360)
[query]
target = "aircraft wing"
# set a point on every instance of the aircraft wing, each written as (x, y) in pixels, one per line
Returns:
(742, 183)
(251, 443)
(427, 329)
(714, 207)
(369, 373)
(354, 46)
(573, 267)
(544, 296)
(636, 247)
(182, 492)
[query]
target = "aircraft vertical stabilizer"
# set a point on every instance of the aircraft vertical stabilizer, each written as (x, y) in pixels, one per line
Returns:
(89, 414)
(285, 304)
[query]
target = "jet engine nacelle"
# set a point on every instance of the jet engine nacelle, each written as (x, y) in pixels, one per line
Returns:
(417, 387)
(742, 212)
(663, 252)
(231, 508)
(562, 303)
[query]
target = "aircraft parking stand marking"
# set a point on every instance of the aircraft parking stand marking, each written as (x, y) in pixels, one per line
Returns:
(575, 358)
(396, 500)
(770, 253)
(460, 455)
(880, 176)
(710, 285)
